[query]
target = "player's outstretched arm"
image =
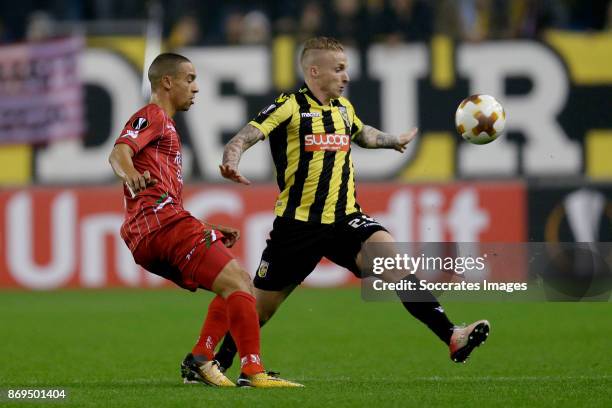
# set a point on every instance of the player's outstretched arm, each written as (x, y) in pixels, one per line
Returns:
(120, 160)
(247, 137)
(372, 138)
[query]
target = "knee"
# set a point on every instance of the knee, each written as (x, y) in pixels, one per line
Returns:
(235, 279)
(241, 282)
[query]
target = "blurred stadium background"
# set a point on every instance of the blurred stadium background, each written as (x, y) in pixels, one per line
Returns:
(71, 75)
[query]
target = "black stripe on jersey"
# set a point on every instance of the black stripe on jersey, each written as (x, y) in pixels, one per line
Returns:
(316, 209)
(265, 113)
(278, 146)
(343, 190)
(295, 191)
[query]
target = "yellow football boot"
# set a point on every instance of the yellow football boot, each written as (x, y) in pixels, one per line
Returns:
(194, 371)
(265, 380)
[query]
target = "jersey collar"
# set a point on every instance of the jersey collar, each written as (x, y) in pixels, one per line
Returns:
(163, 112)
(306, 91)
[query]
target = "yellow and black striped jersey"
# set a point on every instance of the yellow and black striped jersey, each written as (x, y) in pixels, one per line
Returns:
(311, 149)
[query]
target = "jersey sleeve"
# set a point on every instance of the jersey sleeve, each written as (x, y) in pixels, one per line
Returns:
(142, 129)
(357, 125)
(271, 117)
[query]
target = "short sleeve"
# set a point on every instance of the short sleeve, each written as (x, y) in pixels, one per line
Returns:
(142, 129)
(357, 125)
(271, 117)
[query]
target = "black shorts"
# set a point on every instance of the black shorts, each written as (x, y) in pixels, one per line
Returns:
(295, 248)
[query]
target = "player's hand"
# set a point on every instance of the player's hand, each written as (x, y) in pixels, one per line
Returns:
(230, 235)
(405, 138)
(137, 182)
(231, 173)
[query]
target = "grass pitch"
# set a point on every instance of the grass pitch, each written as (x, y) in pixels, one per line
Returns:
(122, 348)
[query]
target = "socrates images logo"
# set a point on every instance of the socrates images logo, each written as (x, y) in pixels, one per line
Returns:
(262, 271)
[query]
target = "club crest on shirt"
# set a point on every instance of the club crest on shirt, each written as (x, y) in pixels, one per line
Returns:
(140, 123)
(262, 271)
(345, 117)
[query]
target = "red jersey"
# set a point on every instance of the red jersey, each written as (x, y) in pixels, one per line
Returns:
(152, 135)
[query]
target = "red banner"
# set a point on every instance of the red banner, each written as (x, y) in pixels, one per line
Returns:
(59, 238)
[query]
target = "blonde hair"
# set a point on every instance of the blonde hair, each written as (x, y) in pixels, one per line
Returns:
(321, 43)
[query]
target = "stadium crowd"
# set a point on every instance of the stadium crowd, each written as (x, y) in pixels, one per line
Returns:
(354, 22)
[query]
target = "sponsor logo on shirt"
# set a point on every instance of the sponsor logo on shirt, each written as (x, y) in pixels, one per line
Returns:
(326, 142)
(310, 114)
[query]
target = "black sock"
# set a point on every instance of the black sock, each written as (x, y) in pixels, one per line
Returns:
(423, 305)
(227, 351)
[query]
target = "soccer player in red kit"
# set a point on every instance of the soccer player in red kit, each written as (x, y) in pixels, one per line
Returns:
(168, 241)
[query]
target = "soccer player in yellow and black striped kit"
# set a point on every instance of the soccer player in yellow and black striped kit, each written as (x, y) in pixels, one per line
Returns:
(317, 215)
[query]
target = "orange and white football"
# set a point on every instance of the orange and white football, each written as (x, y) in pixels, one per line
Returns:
(480, 119)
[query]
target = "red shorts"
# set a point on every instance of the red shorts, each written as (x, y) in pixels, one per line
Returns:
(185, 252)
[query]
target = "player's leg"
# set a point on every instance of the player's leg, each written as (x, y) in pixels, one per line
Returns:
(232, 309)
(175, 253)
(208, 266)
(425, 307)
(291, 254)
(215, 326)
(235, 294)
(234, 285)
(229, 278)
(244, 327)
(212, 266)
(199, 366)
(359, 229)
(268, 303)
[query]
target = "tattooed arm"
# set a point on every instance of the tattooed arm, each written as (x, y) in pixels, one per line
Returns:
(372, 138)
(247, 137)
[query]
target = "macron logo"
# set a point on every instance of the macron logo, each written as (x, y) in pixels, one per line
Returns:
(310, 115)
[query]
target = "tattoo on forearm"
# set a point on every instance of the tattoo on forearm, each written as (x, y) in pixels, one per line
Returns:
(386, 140)
(373, 138)
(247, 137)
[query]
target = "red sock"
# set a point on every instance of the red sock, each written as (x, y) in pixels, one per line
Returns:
(214, 328)
(244, 326)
